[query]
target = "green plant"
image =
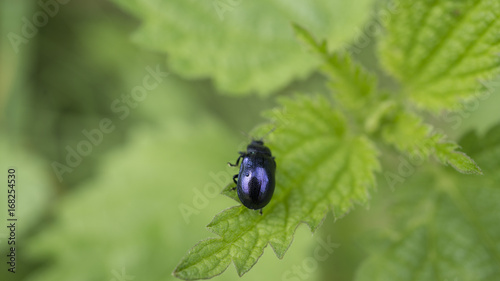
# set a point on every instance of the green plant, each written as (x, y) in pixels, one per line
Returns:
(328, 147)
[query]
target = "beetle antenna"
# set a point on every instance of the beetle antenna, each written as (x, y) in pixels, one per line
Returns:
(267, 134)
(245, 134)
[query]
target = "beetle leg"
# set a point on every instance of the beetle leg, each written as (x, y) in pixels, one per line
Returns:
(237, 160)
(234, 178)
(260, 211)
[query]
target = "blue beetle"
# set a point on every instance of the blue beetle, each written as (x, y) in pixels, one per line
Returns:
(256, 179)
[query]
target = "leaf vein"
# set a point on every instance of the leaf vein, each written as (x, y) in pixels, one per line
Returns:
(423, 63)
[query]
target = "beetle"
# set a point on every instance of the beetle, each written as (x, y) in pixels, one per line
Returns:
(256, 179)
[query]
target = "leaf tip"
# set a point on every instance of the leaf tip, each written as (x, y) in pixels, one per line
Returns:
(229, 192)
(464, 164)
(180, 273)
(308, 40)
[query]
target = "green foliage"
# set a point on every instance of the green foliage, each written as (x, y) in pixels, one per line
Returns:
(129, 216)
(331, 146)
(136, 203)
(446, 229)
(322, 166)
(440, 50)
(350, 84)
(243, 46)
(409, 134)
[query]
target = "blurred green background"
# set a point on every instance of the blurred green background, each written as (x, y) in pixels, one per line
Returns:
(117, 215)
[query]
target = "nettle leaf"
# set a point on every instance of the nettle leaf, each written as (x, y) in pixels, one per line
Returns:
(447, 153)
(441, 50)
(447, 224)
(350, 83)
(352, 86)
(243, 45)
(321, 166)
(409, 134)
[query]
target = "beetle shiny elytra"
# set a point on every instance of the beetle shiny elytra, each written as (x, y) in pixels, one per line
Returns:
(255, 184)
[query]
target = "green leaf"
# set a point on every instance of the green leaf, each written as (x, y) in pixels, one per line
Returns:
(447, 224)
(447, 154)
(321, 166)
(441, 50)
(243, 45)
(350, 83)
(409, 134)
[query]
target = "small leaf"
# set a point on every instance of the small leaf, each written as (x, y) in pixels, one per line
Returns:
(409, 134)
(441, 50)
(309, 42)
(320, 166)
(350, 83)
(460, 161)
(230, 192)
